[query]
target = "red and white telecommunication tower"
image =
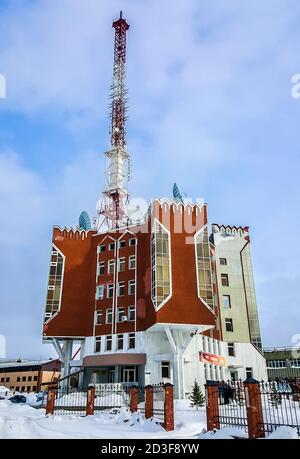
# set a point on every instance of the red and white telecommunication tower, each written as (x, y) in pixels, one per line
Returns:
(112, 210)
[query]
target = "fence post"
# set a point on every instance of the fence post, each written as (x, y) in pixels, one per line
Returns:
(51, 397)
(90, 400)
(169, 407)
(148, 402)
(133, 399)
(254, 408)
(212, 405)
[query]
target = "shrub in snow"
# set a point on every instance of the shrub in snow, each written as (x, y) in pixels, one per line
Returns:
(197, 398)
(275, 396)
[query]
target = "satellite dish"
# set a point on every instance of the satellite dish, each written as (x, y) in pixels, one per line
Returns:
(84, 221)
(176, 193)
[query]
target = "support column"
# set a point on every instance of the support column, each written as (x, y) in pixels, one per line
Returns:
(212, 405)
(169, 407)
(148, 402)
(255, 417)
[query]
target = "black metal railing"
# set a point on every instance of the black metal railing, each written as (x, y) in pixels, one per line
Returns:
(280, 404)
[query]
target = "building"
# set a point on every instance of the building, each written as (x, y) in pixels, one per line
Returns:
(282, 363)
(28, 376)
(142, 296)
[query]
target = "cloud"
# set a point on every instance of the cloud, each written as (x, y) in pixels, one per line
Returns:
(210, 108)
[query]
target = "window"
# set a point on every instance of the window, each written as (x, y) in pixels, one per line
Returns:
(121, 288)
(35, 378)
(223, 261)
(131, 340)
(131, 313)
(224, 280)
(226, 302)
(34, 388)
(276, 363)
(28, 388)
(109, 316)
(132, 262)
(101, 268)
(121, 263)
(111, 266)
(120, 314)
(29, 378)
(131, 287)
(53, 300)
(204, 270)
(99, 317)
(111, 246)
(23, 388)
(23, 378)
(18, 379)
(98, 344)
(122, 244)
(101, 248)
(248, 373)
(100, 292)
(108, 345)
(132, 242)
(161, 265)
(229, 325)
(231, 349)
(17, 388)
(2, 379)
(110, 290)
(120, 342)
(165, 369)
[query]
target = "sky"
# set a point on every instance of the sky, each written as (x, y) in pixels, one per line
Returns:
(210, 107)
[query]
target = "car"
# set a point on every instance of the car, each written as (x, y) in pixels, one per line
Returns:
(2, 398)
(18, 399)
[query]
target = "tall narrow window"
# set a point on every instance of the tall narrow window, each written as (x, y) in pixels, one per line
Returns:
(131, 287)
(110, 290)
(120, 342)
(100, 292)
(101, 268)
(98, 317)
(131, 313)
(224, 280)
(122, 244)
(53, 300)
(226, 302)
(223, 261)
(121, 288)
(98, 344)
(131, 340)
(108, 344)
(204, 269)
(165, 370)
(120, 314)
(229, 325)
(111, 266)
(231, 349)
(109, 316)
(131, 263)
(161, 264)
(121, 267)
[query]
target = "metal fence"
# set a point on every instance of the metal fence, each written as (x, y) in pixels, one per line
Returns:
(232, 407)
(107, 397)
(279, 403)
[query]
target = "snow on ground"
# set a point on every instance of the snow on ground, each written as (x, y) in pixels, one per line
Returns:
(24, 421)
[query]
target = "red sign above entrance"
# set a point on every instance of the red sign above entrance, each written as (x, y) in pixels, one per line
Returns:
(212, 359)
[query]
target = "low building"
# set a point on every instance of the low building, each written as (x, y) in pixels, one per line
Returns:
(28, 376)
(282, 363)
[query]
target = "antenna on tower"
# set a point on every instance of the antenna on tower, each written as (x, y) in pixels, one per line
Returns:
(112, 210)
